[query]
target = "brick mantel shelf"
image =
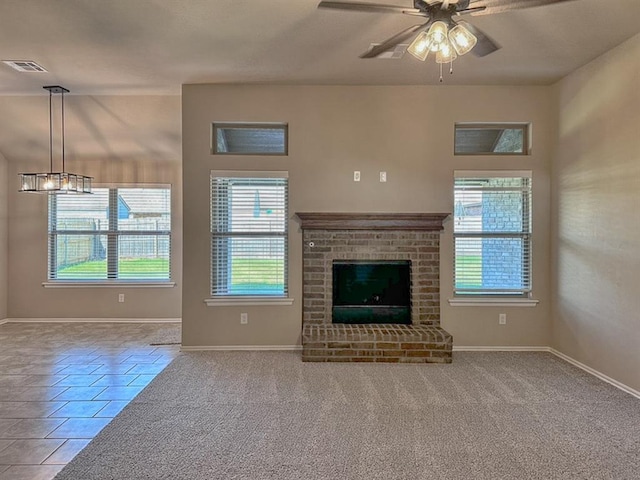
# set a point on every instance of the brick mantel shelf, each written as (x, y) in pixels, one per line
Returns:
(371, 221)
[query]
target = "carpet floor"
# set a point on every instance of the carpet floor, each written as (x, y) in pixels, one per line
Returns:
(169, 334)
(267, 415)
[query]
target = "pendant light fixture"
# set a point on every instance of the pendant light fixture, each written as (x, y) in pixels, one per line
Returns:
(55, 182)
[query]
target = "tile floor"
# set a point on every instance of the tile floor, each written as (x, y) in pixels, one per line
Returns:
(61, 383)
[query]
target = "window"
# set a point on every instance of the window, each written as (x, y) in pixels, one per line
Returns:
(492, 233)
(114, 234)
(249, 233)
(491, 139)
(249, 139)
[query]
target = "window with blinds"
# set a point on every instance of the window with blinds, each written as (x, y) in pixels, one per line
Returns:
(114, 234)
(492, 233)
(249, 233)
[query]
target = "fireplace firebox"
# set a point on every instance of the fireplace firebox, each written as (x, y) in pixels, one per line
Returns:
(366, 291)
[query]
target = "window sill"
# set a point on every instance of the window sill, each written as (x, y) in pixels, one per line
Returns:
(249, 301)
(493, 302)
(107, 284)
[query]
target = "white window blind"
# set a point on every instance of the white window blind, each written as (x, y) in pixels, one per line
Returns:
(249, 233)
(492, 233)
(114, 234)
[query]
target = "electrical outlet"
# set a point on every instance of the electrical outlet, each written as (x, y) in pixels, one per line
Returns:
(244, 318)
(502, 319)
(383, 176)
(356, 176)
(121, 297)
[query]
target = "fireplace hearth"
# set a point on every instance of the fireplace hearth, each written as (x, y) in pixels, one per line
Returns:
(372, 321)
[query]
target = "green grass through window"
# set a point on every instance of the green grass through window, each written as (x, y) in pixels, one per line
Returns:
(264, 271)
(468, 271)
(138, 268)
(257, 276)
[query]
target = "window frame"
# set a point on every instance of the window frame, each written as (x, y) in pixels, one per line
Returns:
(228, 298)
(484, 296)
(112, 235)
(524, 127)
(215, 126)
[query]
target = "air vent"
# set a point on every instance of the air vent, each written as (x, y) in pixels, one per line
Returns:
(397, 52)
(24, 65)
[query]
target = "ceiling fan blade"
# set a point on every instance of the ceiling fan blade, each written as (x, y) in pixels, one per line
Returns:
(471, 10)
(499, 6)
(485, 45)
(393, 41)
(366, 7)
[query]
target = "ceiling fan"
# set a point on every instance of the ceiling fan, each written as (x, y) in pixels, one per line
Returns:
(439, 33)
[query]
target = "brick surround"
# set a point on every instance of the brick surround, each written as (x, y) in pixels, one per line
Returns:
(414, 237)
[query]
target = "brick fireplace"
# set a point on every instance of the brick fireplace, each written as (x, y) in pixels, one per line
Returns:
(357, 237)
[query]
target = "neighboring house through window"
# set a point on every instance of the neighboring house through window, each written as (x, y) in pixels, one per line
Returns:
(249, 234)
(492, 233)
(113, 234)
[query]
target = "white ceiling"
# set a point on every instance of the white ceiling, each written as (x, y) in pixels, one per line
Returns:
(131, 47)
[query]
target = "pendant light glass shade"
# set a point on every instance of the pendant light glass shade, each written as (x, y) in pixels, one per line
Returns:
(462, 39)
(446, 54)
(437, 34)
(55, 182)
(419, 48)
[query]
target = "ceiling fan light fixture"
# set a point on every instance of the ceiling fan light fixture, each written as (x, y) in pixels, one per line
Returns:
(462, 39)
(420, 46)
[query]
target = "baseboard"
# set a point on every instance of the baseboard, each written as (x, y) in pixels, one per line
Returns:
(93, 320)
(566, 358)
(472, 348)
(243, 348)
(595, 373)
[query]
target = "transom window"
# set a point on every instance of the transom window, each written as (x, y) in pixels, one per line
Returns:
(492, 233)
(250, 139)
(249, 233)
(114, 234)
(491, 139)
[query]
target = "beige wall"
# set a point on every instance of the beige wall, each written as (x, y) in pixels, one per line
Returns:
(116, 140)
(334, 130)
(3, 236)
(596, 215)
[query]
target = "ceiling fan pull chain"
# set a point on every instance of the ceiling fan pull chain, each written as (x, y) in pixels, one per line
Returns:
(451, 68)
(440, 73)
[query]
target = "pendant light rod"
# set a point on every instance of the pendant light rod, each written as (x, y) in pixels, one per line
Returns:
(62, 115)
(50, 131)
(61, 90)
